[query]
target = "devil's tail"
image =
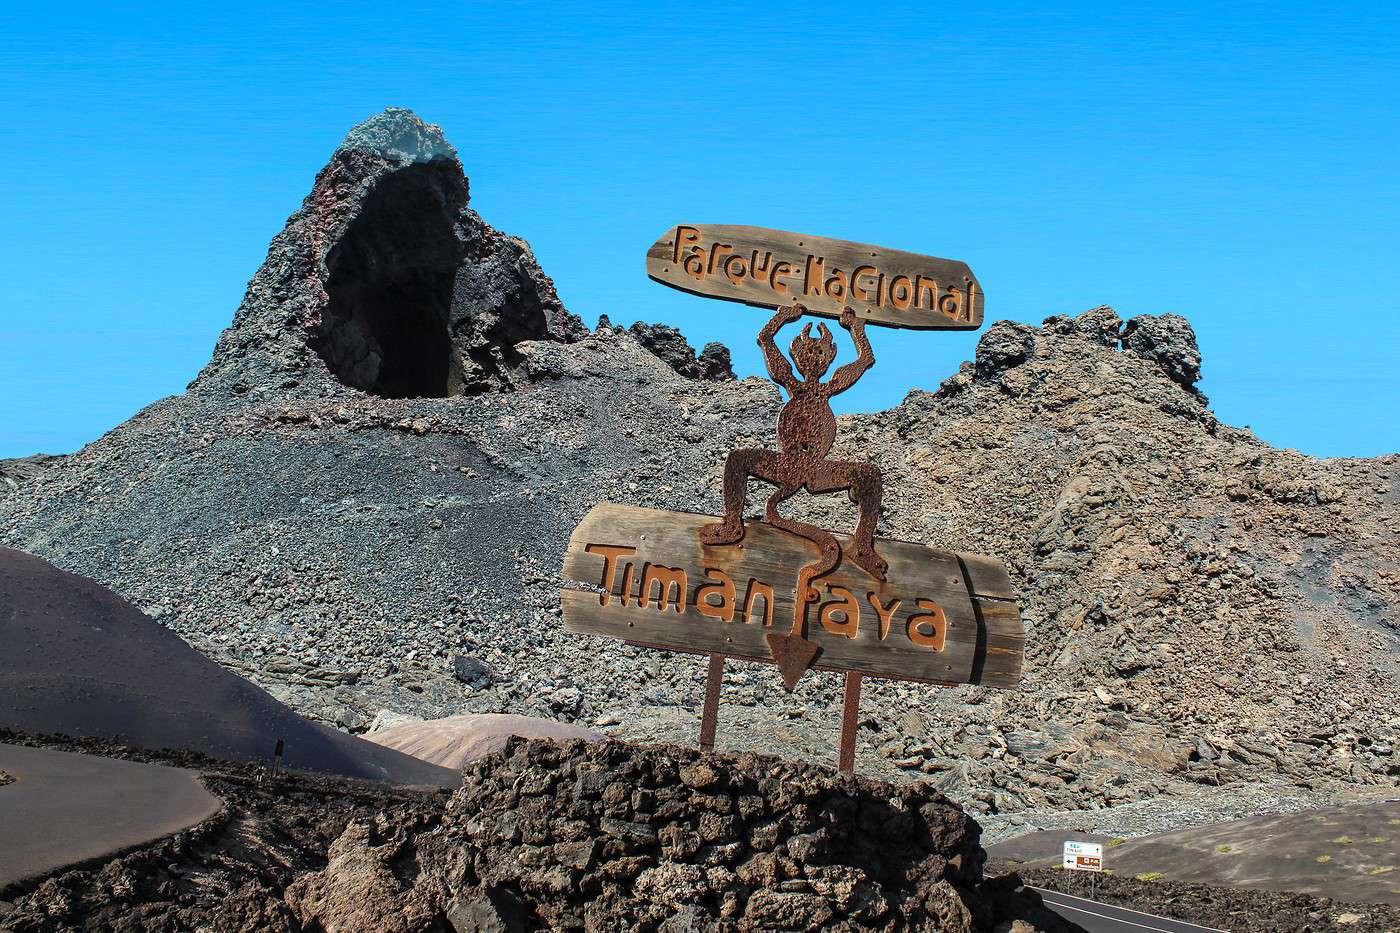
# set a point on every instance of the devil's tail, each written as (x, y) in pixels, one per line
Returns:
(794, 652)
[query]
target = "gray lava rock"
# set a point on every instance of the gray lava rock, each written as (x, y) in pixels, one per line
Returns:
(387, 283)
(715, 364)
(1170, 341)
(874, 855)
(398, 134)
(671, 347)
(23, 471)
(472, 671)
(1101, 325)
(1004, 345)
(492, 910)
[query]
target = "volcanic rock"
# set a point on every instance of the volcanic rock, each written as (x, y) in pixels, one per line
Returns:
(387, 283)
(1170, 341)
(23, 470)
(1005, 344)
(712, 365)
(358, 891)
(612, 837)
(472, 671)
(1101, 325)
(715, 363)
(341, 547)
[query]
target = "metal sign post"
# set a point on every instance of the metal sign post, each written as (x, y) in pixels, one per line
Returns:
(779, 590)
(709, 717)
(1082, 856)
(850, 720)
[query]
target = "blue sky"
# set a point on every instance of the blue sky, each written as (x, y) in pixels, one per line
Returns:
(1234, 163)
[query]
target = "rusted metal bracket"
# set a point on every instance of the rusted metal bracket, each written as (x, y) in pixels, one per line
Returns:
(709, 717)
(806, 433)
(850, 721)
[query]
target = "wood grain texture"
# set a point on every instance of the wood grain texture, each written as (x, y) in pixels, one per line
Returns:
(981, 640)
(771, 268)
(987, 576)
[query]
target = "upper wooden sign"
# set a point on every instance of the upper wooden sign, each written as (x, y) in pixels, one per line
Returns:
(770, 268)
(644, 576)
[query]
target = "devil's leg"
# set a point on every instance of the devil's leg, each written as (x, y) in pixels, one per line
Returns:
(780, 495)
(862, 481)
(826, 543)
(737, 469)
(866, 491)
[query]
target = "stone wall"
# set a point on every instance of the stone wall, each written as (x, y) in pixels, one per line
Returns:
(607, 836)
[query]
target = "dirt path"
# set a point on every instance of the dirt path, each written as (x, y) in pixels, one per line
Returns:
(64, 808)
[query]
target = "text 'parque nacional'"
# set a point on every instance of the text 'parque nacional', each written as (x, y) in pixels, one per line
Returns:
(766, 267)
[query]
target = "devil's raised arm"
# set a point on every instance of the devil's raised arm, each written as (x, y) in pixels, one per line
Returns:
(846, 376)
(779, 369)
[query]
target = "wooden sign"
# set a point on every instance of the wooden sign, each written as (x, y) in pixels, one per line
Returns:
(643, 576)
(771, 268)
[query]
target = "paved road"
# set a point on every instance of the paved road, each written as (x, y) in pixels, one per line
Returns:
(1105, 918)
(65, 808)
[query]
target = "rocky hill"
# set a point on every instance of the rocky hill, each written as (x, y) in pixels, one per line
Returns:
(362, 502)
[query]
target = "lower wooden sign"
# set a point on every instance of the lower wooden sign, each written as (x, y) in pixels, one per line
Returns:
(643, 576)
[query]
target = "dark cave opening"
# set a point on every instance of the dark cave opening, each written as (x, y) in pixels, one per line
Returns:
(385, 328)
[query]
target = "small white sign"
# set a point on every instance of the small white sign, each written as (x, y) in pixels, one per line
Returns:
(1083, 856)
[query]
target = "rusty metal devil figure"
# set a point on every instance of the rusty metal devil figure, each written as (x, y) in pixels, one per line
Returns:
(723, 586)
(806, 432)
